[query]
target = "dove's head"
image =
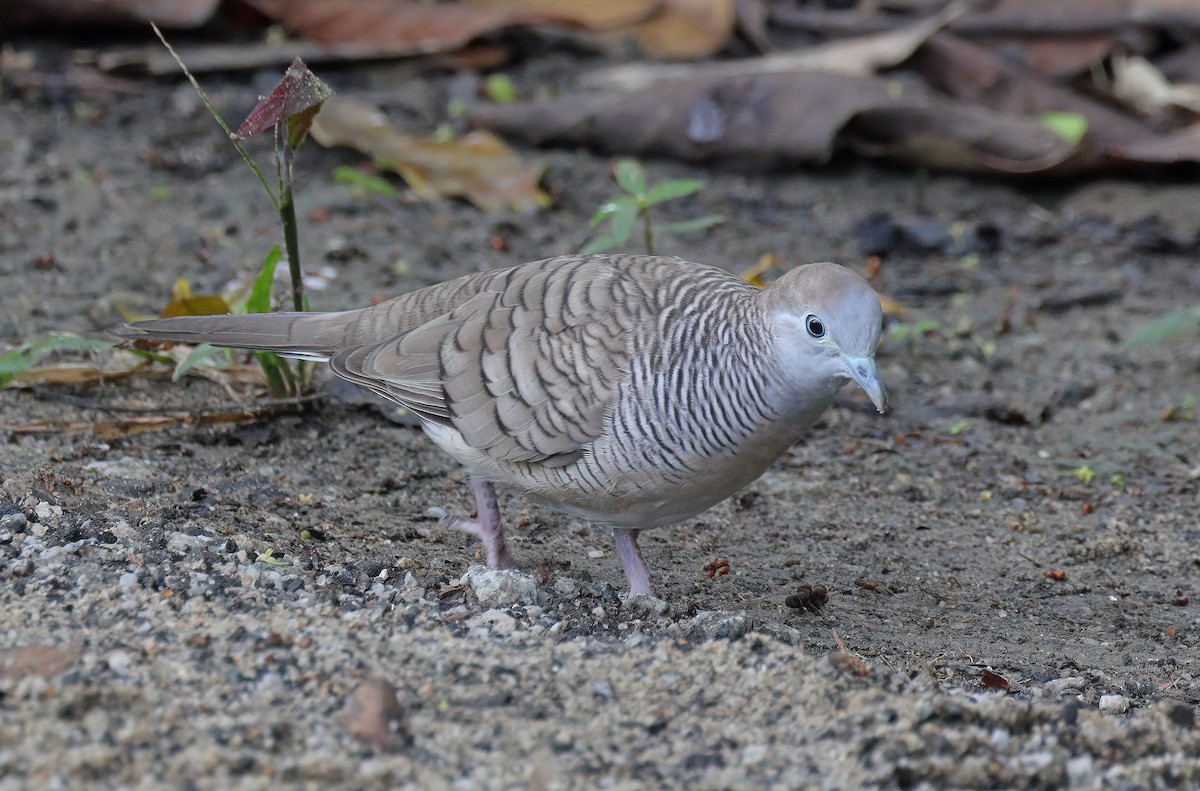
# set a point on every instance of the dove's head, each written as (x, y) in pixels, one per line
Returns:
(828, 321)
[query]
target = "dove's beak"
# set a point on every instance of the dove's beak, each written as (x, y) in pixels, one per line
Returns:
(862, 371)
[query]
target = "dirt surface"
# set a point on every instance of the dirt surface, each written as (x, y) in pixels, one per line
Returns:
(1011, 554)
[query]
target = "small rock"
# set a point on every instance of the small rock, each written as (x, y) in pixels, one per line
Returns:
(1081, 771)
(754, 754)
(38, 530)
(1114, 704)
(45, 511)
(13, 522)
(501, 588)
(710, 625)
(643, 605)
(119, 661)
(499, 621)
(565, 586)
(374, 715)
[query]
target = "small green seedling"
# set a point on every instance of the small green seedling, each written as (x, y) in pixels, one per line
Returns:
(912, 334)
(1069, 126)
(1084, 474)
(623, 212)
(1173, 326)
(268, 556)
(364, 183)
(500, 89)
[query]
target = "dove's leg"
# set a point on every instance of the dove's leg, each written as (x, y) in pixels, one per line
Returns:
(631, 560)
(486, 525)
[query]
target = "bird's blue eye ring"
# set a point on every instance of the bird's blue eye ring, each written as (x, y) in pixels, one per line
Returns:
(815, 327)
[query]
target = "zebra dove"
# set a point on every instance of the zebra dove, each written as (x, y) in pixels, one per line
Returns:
(634, 391)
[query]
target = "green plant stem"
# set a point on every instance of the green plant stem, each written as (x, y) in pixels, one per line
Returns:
(291, 241)
(287, 215)
(647, 233)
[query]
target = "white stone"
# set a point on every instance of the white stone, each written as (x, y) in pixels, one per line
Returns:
(1114, 704)
(501, 588)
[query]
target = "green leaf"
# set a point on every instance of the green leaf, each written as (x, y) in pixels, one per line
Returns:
(500, 89)
(1069, 126)
(612, 207)
(622, 223)
(696, 224)
(675, 188)
(24, 357)
(1172, 326)
(378, 185)
(194, 357)
(600, 244)
(630, 176)
(260, 295)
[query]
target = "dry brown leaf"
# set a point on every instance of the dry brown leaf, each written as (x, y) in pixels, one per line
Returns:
(479, 166)
(403, 26)
(966, 70)
(1181, 146)
(860, 55)
(686, 29)
(130, 425)
(767, 119)
(1139, 84)
(1059, 57)
(81, 374)
(166, 13)
(589, 14)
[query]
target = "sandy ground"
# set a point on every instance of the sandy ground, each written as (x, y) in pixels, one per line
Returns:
(1011, 555)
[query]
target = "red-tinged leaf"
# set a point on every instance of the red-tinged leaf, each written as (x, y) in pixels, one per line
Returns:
(296, 100)
(990, 680)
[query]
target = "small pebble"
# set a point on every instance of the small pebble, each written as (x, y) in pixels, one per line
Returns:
(1114, 704)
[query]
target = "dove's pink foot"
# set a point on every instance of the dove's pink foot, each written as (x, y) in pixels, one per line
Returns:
(485, 526)
(631, 560)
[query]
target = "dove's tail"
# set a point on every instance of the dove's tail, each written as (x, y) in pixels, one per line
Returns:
(310, 336)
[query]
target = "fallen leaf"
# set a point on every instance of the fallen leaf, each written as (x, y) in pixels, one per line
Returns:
(584, 13)
(61, 13)
(1139, 84)
(81, 374)
(768, 119)
(686, 29)
(860, 55)
(479, 166)
(965, 70)
(185, 303)
(402, 26)
(991, 680)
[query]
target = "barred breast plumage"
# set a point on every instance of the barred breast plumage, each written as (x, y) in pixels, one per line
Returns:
(631, 390)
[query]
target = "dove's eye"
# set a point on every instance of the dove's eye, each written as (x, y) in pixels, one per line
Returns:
(816, 327)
